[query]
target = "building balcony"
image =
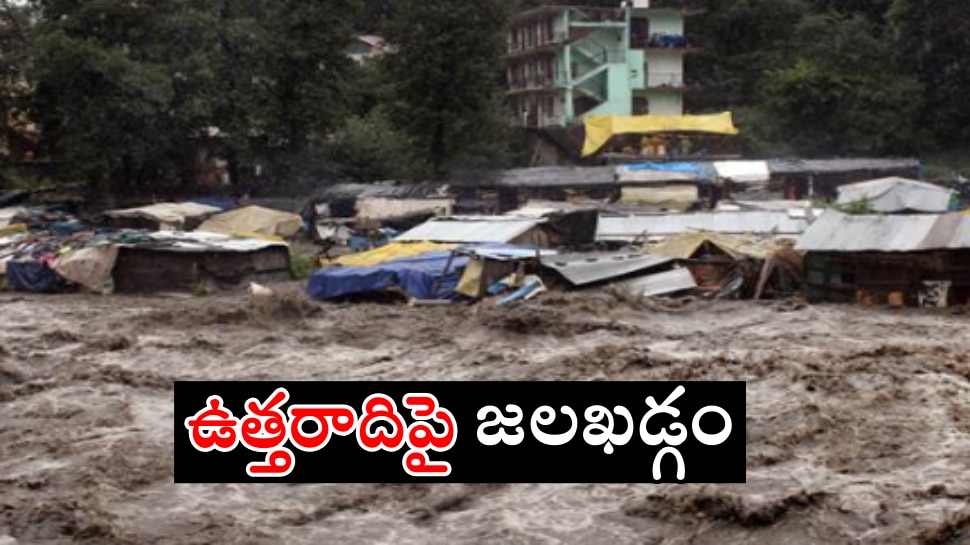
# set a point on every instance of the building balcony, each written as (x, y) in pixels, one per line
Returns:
(666, 80)
(534, 121)
(533, 84)
(547, 44)
(666, 42)
(687, 7)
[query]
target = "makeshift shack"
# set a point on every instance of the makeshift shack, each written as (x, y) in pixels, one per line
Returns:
(190, 262)
(505, 190)
(378, 201)
(898, 195)
(733, 265)
(435, 274)
(661, 187)
(796, 179)
(388, 252)
(913, 259)
(565, 224)
(370, 212)
(428, 276)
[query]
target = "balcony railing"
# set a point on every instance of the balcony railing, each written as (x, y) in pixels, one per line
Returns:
(555, 39)
(534, 83)
(686, 5)
(533, 121)
(670, 80)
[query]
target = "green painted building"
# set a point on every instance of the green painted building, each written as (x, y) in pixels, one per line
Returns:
(565, 62)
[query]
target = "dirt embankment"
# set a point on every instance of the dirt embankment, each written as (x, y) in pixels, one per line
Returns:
(858, 422)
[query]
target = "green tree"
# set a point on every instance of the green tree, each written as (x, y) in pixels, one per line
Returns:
(932, 42)
(447, 75)
(14, 52)
(102, 99)
(126, 91)
(742, 39)
(842, 94)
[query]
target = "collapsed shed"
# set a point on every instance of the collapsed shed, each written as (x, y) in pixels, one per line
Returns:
(565, 224)
(730, 265)
(905, 259)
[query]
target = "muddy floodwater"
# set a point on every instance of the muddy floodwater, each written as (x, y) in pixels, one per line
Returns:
(858, 420)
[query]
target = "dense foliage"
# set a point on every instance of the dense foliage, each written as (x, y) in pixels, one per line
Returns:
(127, 93)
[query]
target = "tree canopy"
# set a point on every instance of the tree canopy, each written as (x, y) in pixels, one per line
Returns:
(126, 93)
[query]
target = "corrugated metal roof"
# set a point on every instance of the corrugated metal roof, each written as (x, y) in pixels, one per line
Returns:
(837, 232)
(402, 191)
(898, 195)
(199, 241)
(835, 166)
(584, 269)
(558, 177)
(542, 209)
(628, 228)
(470, 229)
(536, 178)
(661, 283)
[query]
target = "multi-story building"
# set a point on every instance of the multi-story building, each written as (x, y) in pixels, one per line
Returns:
(566, 62)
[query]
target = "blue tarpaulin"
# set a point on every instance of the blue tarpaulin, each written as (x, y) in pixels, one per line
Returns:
(417, 276)
(701, 170)
(31, 276)
(223, 203)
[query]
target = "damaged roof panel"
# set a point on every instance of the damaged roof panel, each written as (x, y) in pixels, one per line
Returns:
(837, 232)
(663, 283)
(388, 191)
(538, 177)
(470, 229)
(837, 166)
(628, 228)
(585, 269)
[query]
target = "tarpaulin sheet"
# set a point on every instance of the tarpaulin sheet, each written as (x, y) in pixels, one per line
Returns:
(416, 276)
(651, 173)
(389, 252)
(254, 220)
(30, 276)
(89, 267)
(600, 128)
(673, 197)
(890, 195)
(693, 168)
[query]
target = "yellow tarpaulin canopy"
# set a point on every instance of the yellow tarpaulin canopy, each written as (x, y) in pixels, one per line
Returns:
(686, 245)
(394, 250)
(600, 128)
